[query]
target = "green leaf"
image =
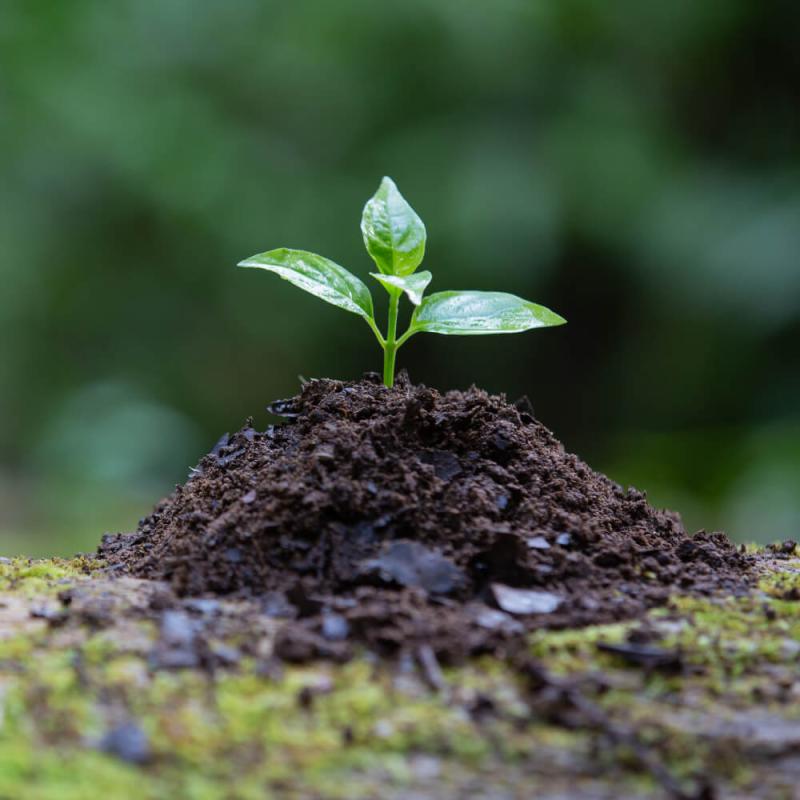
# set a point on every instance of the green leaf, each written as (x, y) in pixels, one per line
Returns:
(477, 313)
(393, 233)
(413, 285)
(318, 276)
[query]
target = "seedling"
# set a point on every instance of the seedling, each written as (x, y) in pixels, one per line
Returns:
(395, 239)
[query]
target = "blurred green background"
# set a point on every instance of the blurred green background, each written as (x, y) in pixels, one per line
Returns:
(634, 166)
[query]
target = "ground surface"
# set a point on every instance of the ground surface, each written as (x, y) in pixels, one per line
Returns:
(119, 687)
(399, 593)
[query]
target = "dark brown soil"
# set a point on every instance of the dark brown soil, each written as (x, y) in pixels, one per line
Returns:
(408, 519)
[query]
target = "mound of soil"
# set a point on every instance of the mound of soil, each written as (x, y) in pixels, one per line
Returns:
(405, 517)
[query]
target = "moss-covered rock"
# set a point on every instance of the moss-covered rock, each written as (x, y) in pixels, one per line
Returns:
(702, 693)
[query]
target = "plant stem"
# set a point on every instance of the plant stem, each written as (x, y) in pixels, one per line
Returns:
(405, 337)
(374, 327)
(390, 348)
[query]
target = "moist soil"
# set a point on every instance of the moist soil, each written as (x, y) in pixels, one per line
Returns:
(408, 519)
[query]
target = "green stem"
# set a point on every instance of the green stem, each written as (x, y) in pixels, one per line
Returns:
(404, 338)
(374, 327)
(390, 348)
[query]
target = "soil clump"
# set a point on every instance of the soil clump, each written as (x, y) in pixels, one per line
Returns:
(412, 520)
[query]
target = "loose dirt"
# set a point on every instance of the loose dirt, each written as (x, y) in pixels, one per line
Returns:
(405, 518)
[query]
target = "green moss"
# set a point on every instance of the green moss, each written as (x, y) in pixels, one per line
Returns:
(571, 651)
(30, 577)
(358, 730)
(49, 774)
(783, 584)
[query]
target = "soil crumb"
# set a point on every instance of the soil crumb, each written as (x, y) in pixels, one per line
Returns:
(416, 521)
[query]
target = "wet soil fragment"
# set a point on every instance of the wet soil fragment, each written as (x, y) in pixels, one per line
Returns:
(404, 518)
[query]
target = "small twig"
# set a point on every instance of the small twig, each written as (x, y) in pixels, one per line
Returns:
(431, 670)
(594, 717)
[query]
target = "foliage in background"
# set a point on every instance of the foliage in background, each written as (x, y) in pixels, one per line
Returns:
(634, 163)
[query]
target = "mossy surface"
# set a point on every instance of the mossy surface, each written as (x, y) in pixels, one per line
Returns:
(703, 692)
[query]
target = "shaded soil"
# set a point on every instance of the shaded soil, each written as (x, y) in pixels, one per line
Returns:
(406, 518)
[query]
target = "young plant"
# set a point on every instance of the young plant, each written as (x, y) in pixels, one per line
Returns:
(395, 239)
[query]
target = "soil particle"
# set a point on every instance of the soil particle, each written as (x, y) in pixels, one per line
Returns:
(787, 548)
(524, 601)
(177, 644)
(405, 518)
(128, 742)
(408, 563)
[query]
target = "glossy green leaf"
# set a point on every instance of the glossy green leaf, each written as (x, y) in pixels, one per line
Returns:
(393, 233)
(477, 313)
(413, 285)
(318, 276)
